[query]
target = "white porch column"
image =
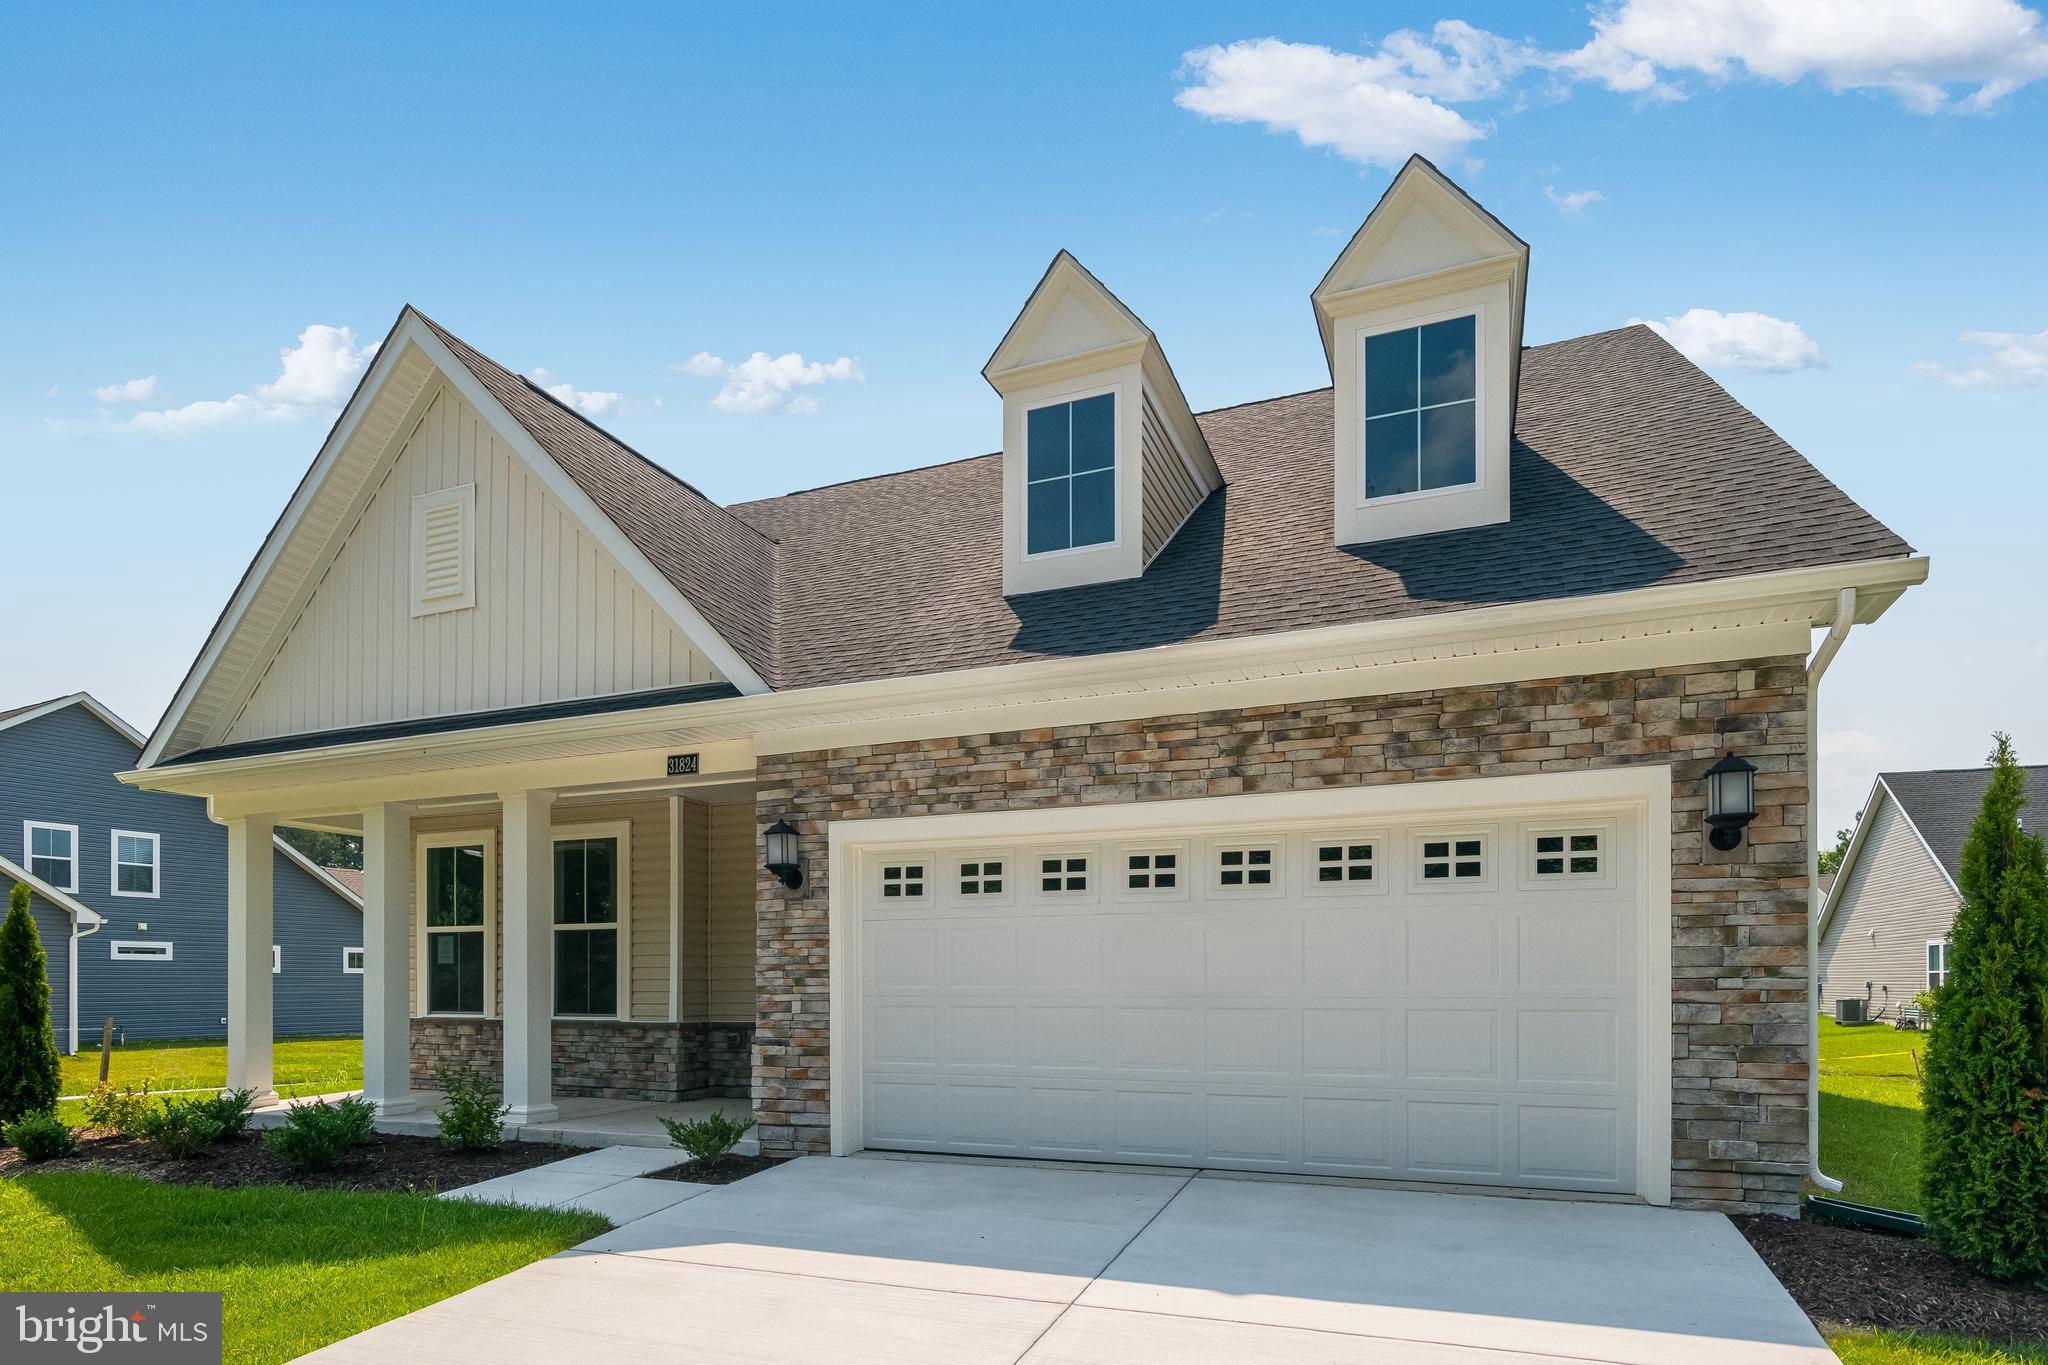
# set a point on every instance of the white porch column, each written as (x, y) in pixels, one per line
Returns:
(249, 940)
(387, 958)
(528, 944)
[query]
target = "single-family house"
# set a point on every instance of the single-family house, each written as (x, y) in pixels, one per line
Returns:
(129, 889)
(1316, 784)
(1885, 924)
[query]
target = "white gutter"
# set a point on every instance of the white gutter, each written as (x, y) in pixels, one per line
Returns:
(1845, 619)
(77, 934)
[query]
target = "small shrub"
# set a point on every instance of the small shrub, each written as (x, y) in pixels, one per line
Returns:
(40, 1137)
(229, 1111)
(1924, 1002)
(316, 1136)
(181, 1128)
(474, 1118)
(120, 1111)
(708, 1140)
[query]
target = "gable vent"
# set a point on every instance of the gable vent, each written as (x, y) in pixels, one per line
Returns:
(444, 550)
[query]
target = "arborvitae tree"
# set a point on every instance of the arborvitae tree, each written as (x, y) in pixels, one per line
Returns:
(328, 850)
(28, 1050)
(1984, 1157)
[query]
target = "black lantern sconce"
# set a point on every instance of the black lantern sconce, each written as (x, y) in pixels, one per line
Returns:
(780, 856)
(1731, 801)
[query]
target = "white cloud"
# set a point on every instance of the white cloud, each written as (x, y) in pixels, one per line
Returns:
(764, 383)
(1916, 50)
(1374, 107)
(314, 379)
(589, 402)
(1737, 341)
(2016, 358)
(133, 391)
(1377, 105)
(1572, 203)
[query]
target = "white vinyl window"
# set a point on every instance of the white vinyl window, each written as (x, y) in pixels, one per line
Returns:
(592, 898)
(276, 958)
(352, 961)
(1937, 963)
(455, 878)
(139, 950)
(52, 853)
(137, 857)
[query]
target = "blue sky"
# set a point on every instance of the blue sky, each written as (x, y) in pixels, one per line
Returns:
(607, 192)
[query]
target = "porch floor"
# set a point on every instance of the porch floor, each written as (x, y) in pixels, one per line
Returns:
(582, 1122)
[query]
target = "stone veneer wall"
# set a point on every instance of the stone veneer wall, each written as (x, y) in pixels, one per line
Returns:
(601, 1059)
(1739, 1000)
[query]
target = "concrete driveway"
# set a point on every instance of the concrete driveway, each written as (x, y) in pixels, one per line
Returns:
(870, 1259)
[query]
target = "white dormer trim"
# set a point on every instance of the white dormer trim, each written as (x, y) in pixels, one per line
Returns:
(1426, 253)
(1073, 340)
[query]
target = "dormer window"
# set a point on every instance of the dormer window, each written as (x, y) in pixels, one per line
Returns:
(1070, 481)
(1421, 408)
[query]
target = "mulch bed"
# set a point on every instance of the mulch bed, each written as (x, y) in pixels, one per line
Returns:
(1858, 1277)
(726, 1172)
(386, 1162)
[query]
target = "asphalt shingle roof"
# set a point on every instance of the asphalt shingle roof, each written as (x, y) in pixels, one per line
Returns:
(1943, 803)
(1630, 468)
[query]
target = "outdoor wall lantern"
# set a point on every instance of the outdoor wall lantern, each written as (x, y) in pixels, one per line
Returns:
(778, 846)
(1731, 800)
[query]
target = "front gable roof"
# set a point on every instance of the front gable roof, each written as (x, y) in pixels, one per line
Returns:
(666, 536)
(22, 715)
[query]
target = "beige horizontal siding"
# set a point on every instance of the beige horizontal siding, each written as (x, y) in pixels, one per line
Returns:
(696, 913)
(1171, 493)
(731, 892)
(1896, 898)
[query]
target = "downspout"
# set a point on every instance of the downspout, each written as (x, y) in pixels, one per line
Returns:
(73, 993)
(1845, 618)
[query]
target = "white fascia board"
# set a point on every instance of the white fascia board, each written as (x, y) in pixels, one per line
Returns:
(616, 543)
(1802, 595)
(316, 872)
(77, 908)
(90, 703)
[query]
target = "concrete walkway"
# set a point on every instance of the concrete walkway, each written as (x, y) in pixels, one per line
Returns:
(611, 1182)
(969, 1262)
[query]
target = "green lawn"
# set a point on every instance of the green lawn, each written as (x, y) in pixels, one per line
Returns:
(301, 1066)
(1870, 1113)
(297, 1268)
(1910, 1348)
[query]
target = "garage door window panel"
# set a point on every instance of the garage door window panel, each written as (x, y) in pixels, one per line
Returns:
(983, 879)
(1567, 855)
(1152, 872)
(1451, 860)
(1344, 862)
(1064, 875)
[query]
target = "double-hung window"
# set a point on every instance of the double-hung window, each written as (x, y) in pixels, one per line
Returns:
(587, 919)
(1937, 963)
(52, 853)
(1421, 408)
(135, 863)
(1070, 474)
(455, 889)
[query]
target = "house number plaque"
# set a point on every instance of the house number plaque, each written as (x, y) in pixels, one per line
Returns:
(682, 765)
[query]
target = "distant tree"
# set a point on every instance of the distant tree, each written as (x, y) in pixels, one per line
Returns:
(1984, 1156)
(1831, 858)
(328, 850)
(28, 1049)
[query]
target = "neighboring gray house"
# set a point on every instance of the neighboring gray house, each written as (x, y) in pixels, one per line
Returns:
(1884, 928)
(130, 891)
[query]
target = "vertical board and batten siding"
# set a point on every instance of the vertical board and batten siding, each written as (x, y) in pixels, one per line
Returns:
(730, 895)
(1171, 493)
(649, 909)
(555, 616)
(1895, 899)
(60, 767)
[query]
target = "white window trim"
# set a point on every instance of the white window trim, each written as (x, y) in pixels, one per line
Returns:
(276, 958)
(1116, 474)
(927, 885)
(621, 830)
(1942, 944)
(28, 853)
(1276, 868)
(456, 839)
(1184, 871)
(1489, 858)
(1092, 873)
(953, 865)
(356, 970)
(1477, 312)
(156, 865)
(139, 950)
(1381, 861)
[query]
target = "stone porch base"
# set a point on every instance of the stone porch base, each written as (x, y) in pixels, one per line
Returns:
(603, 1059)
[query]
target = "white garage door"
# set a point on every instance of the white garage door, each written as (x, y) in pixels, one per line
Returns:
(1449, 1001)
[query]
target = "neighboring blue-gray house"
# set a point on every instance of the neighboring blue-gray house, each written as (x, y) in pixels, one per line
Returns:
(130, 892)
